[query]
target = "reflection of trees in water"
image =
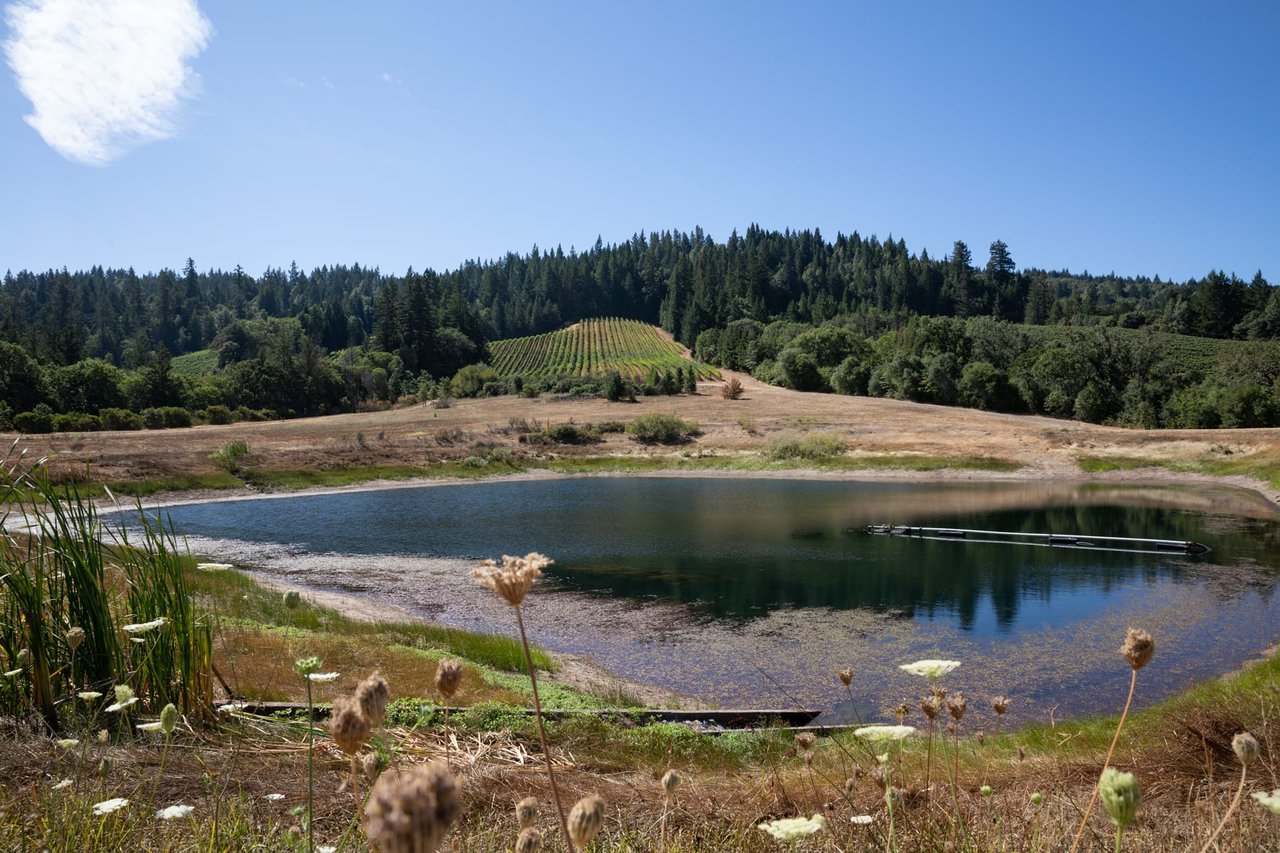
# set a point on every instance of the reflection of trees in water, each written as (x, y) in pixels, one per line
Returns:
(850, 569)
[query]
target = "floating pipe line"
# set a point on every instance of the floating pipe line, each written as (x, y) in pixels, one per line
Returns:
(1053, 540)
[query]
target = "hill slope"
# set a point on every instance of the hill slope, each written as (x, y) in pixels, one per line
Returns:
(593, 348)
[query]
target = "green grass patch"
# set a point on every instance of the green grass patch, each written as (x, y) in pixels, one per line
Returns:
(200, 362)
(1265, 468)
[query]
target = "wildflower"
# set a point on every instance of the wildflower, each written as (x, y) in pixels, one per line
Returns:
(1037, 798)
(929, 707)
(89, 695)
(1138, 648)
(213, 567)
(585, 819)
(349, 727)
(124, 698)
(13, 673)
(150, 727)
(515, 576)
(373, 765)
(527, 811)
(144, 627)
(1245, 746)
(670, 781)
(138, 641)
(323, 677)
(174, 812)
(881, 734)
(307, 666)
(273, 798)
(793, 828)
(448, 678)
(326, 848)
(103, 735)
(901, 712)
(1120, 797)
(1000, 704)
(109, 806)
(372, 695)
(1270, 801)
(804, 740)
(862, 819)
(985, 790)
(956, 706)
(74, 637)
(68, 743)
(168, 718)
(930, 669)
(530, 841)
(292, 599)
(410, 810)
(846, 676)
(65, 783)
(23, 659)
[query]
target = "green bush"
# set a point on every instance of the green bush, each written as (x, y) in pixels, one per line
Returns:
(33, 422)
(218, 415)
(817, 446)
(119, 419)
(230, 454)
(76, 422)
(471, 380)
(166, 417)
(660, 428)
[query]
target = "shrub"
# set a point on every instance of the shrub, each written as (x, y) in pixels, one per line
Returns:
(660, 428)
(166, 417)
(33, 422)
(732, 389)
(119, 419)
(218, 415)
(230, 454)
(471, 380)
(76, 422)
(615, 387)
(816, 446)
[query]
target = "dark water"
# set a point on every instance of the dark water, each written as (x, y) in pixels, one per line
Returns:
(734, 588)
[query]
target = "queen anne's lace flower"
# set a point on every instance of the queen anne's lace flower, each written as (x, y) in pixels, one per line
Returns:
(793, 828)
(878, 734)
(1270, 801)
(175, 812)
(144, 627)
(929, 668)
(108, 806)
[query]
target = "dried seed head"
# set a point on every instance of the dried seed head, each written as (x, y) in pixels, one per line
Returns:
(670, 781)
(168, 718)
(409, 811)
(585, 819)
(846, 676)
(448, 678)
(74, 637)
(1138, 648)
(527, 811)
(1022, 752)
(23, 658)
(513, 578)
(929, 707)
(956, 706)
(349, 727)
(530, 841)
(804, 740)
(1000, 704)
(372, 695)
(374, 764)
(807, 755)
(850, 784)
(1245, 746)
(901, 712)
(982, 738)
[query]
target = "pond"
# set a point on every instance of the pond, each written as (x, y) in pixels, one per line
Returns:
(755, 592)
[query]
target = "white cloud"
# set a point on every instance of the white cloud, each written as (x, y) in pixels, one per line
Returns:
(104, 75)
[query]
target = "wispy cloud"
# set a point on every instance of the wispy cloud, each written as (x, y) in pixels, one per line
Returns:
(104, 75)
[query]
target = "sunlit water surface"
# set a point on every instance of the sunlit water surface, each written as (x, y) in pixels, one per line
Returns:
(754, 592)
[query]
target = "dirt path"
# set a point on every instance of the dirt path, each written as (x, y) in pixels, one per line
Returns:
(421, 435)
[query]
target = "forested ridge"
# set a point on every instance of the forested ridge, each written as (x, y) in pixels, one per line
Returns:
(851, 315)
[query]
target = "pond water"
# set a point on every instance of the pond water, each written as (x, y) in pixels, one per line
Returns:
(756, 591)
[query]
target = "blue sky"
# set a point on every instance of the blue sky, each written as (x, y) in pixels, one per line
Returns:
(1139, 137)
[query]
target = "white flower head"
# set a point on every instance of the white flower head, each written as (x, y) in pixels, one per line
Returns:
(64, 784)
(144, 627)
(1270, 801)
(324, 676)
(108, 806)
(793, 828)
(861, 819)
(175, 812)
(89, 695)
(930, 669)
(13, 673)
(326, 848)
(881, 734)
(213, 567)
(275, 798)
(150, 727)
(120, 706)
(68, 743)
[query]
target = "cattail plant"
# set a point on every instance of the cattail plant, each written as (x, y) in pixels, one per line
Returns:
(1138, 650)
(411, 810)
(512, 580)
(1245, 746)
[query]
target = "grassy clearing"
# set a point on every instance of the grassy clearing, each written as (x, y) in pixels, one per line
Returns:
(1264, 467)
